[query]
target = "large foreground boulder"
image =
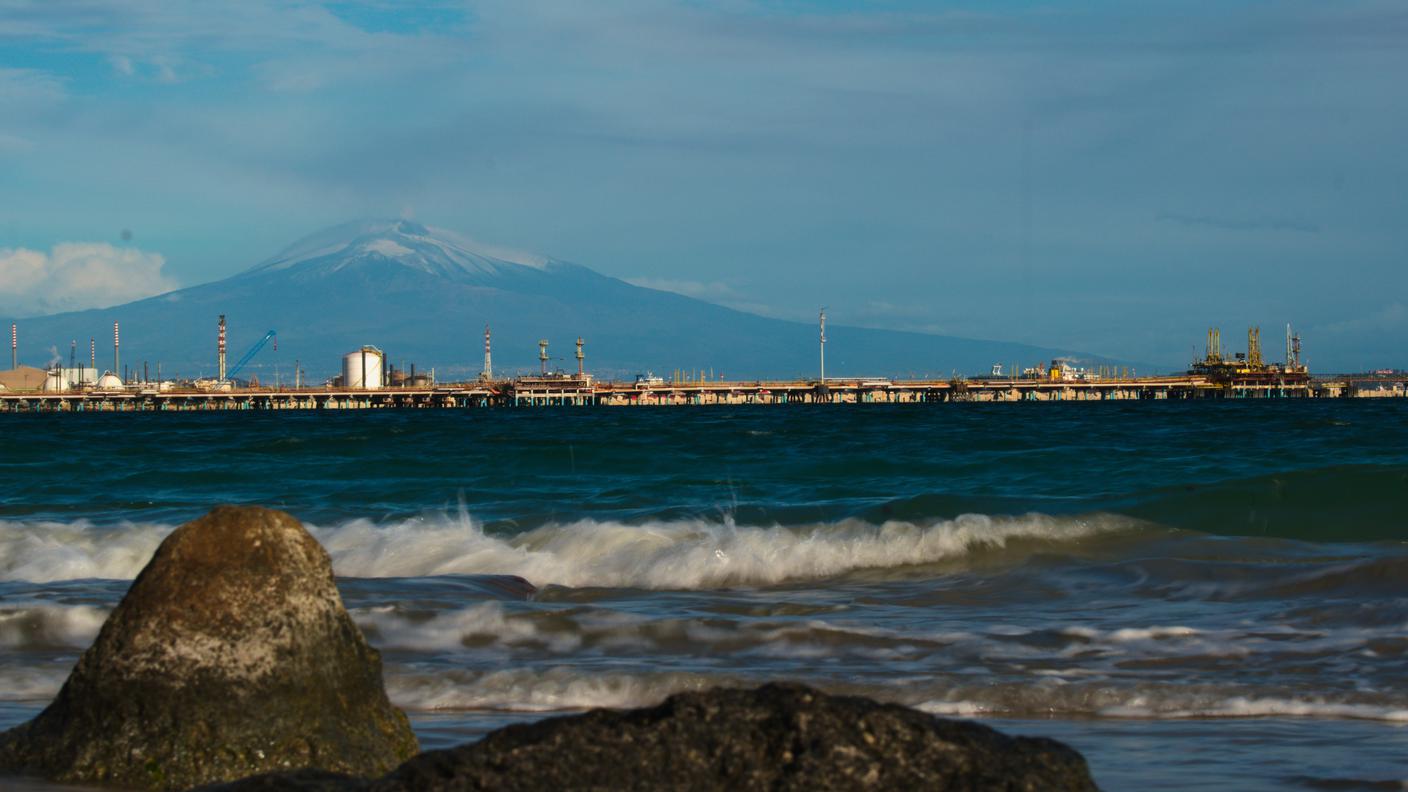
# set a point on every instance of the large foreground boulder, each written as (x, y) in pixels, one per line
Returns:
(230, 655)
(777, 737)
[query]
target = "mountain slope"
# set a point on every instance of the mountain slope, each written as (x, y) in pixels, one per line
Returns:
(424, 296)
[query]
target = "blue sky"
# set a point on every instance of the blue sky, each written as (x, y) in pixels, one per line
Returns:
(1113, 177)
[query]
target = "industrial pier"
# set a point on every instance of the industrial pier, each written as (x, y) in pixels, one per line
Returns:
(367, 382)
(571, 391)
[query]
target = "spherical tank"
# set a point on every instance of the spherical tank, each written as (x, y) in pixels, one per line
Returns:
(363, 368)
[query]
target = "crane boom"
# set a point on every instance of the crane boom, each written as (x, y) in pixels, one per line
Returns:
(254, 350)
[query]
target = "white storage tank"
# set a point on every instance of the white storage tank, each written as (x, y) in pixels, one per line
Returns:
(363, 368)
(54, 381)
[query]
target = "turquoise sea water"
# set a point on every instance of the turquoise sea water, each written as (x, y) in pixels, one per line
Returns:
(1186, 592)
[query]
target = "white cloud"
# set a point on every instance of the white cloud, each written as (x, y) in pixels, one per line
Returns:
(122, 65)
(77, 275)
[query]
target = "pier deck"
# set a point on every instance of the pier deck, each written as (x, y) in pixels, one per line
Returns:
(571, 391)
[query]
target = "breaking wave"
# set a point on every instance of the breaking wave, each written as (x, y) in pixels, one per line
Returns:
(539, 690)
(50, 626)
(679, 554)
(45, 551)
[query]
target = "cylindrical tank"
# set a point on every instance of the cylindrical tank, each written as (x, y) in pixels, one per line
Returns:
(363, 368)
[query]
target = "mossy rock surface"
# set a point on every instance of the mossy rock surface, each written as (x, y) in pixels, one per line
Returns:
(230, 655)
(776, 737)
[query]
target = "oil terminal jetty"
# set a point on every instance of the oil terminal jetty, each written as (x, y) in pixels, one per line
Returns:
(569, 391)
(368, 383)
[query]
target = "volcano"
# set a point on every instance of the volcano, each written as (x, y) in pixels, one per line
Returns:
(425, 294)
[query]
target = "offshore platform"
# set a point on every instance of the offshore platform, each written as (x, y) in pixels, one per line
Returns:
(1248, 372)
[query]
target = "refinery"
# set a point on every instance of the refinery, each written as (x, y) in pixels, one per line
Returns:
(368, 381)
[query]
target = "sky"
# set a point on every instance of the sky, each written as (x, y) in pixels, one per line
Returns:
(1111, 177)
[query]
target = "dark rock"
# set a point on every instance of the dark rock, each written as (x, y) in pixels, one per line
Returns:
(777, 737)
(231, 654)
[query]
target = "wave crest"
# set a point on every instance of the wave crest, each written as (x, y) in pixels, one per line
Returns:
(677, 554)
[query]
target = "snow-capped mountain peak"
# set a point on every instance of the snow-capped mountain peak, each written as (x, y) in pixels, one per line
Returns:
(402, 243)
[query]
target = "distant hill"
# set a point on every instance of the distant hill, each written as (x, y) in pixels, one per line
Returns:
(424, 295)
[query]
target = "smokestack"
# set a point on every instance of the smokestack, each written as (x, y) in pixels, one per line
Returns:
(488, 362)
(543, 355)
(73, 353)
(580, 358)
(823, 345)
(14, 346)
(117, 353)
(92, 354)
(220, 346)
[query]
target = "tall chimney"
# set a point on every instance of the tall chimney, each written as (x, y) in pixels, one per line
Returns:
(488, 362)
(580, 358)
(117, 353)
(14, 346)
(220, 346)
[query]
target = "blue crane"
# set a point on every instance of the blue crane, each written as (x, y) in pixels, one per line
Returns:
(254, 350)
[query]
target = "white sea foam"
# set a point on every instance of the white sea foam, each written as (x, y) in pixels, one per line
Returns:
(579, 632)
(680, 554)
(1256, 707)
(480, 625)
(46, 551)
(539, 690)
(31, 683)
(50, 626)
(1048, 696)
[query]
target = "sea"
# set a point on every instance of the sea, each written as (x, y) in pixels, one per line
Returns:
(1208, 593)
